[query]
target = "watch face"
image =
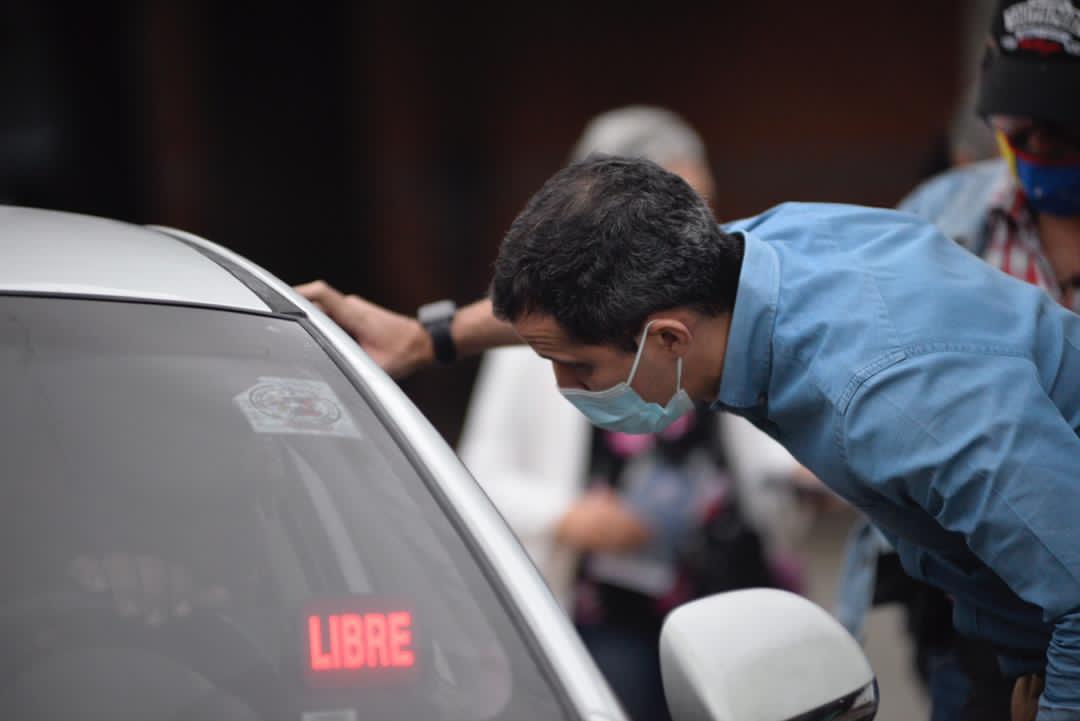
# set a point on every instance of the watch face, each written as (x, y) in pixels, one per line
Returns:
(433, 312)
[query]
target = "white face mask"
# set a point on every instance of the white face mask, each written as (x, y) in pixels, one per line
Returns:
(620, 408)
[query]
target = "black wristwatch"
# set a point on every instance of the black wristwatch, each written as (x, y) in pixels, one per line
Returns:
(436, 318)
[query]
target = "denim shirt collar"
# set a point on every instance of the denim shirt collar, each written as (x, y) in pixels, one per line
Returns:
(748, 358)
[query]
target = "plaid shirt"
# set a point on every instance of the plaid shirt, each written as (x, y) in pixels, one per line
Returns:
(1011, 239)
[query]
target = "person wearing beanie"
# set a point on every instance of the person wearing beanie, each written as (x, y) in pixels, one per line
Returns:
(1021, 212)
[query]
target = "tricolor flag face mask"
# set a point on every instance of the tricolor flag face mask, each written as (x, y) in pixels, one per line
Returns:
(1050, 186)
(620, 408)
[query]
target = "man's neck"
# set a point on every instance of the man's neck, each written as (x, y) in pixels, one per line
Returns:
(713, 332)
(1060, 239)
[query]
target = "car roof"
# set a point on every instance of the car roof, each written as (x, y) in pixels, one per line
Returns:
(52, 252)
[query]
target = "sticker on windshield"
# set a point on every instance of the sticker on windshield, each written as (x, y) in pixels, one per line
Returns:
(295, 405)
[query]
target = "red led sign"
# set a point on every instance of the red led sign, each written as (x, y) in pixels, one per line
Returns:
(358, 640)
(354, 641)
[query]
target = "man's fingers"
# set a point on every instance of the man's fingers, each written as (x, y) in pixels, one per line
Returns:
(394, 341)
(357, 305)
(313, 289)
(321, 293)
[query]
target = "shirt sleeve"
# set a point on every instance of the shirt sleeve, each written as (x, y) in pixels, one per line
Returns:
(975, 441)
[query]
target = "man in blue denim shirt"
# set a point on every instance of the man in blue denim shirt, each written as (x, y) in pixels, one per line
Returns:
(934, 392)
(930, 390)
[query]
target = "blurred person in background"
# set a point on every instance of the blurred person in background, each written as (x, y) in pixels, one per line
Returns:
(1021, 213)
(625, 527)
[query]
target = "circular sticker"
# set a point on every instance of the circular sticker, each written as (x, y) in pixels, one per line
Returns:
(294, 405)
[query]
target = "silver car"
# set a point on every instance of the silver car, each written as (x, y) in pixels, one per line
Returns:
(215, 506)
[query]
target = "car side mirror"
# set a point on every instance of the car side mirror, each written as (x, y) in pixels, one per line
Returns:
(763, 655)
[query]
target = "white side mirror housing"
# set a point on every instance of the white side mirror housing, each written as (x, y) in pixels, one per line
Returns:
(763, 655)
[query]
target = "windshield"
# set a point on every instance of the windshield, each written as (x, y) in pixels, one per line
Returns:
(203, 518)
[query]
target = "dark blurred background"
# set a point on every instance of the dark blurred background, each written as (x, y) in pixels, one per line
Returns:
(385, 146)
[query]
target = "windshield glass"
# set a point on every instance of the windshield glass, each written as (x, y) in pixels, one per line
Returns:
(204, 519)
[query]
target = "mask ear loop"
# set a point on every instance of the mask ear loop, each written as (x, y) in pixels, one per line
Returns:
(640, 351)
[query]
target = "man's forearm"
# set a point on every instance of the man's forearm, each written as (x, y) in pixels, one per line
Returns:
(399, 343)
(476, 329)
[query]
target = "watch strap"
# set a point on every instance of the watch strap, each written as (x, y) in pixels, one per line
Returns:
(437, 318)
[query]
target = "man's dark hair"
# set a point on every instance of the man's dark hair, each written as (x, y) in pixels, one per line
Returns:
(608, 241)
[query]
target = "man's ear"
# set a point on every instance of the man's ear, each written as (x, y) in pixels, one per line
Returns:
(674, 335)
